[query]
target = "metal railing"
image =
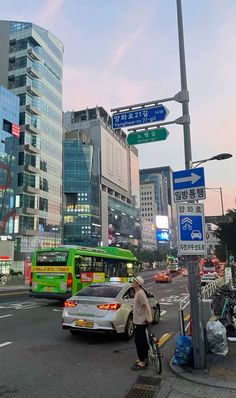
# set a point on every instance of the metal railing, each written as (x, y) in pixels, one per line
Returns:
(184, 309)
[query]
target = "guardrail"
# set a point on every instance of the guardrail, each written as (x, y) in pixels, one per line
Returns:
(208, 290)
(184, 308)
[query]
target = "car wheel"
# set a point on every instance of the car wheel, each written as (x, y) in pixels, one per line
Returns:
(156, 315)
(129, 328)
(74, 332)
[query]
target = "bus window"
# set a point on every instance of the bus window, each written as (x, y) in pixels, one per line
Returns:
(109, 268)
(77, 266)
(98, 264)
(52, 258)
(86, 264)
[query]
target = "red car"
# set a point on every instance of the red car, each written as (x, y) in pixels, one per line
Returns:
(162, 276)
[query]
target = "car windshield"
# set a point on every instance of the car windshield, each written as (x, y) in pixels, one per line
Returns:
(100, 291)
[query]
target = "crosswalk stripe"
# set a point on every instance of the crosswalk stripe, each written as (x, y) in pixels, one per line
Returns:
(4, 344)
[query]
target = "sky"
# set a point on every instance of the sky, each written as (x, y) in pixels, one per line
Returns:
(122, 52)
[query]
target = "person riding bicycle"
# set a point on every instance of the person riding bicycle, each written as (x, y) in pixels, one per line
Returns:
(142, 316)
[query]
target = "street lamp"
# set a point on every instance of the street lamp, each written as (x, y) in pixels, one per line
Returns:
(221, 156)
(221, 197)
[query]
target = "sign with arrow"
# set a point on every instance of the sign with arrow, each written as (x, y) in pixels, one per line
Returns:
(189, 185)
(142, 137)
(139, 116)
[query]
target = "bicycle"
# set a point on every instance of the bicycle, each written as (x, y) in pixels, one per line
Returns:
(154, 355)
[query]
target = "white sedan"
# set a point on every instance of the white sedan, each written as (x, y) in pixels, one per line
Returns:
(104, 307)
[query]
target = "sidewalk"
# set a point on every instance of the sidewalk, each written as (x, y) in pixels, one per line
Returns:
(13, 284)
(220, 372)
(219, 379)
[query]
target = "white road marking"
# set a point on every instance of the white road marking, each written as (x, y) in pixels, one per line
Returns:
(166, 303)
(24, 305)
(4, 344)
(169, 290)
(56, 310)
(6, 316)
(163, 312)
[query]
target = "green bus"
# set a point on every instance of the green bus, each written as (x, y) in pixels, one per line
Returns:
(172, 263)
(60, 272)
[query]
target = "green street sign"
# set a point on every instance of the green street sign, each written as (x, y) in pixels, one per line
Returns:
(142, 137)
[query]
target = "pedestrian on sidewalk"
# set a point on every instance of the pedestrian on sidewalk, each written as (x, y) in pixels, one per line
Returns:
(142, 316)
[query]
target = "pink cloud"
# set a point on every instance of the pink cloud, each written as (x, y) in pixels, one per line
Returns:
(49, 12)
(87, 88)
(125, 45)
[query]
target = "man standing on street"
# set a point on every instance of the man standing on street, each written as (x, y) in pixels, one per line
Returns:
(141, 317)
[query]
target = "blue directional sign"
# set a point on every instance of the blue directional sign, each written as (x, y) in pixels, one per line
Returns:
(139, 116)
(189, 185)
(191, 229)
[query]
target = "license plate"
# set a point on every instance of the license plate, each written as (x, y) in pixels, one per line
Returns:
(83, 323)
(48, 289)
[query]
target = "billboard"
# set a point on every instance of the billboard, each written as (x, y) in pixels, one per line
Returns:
(163, 235)
(162, 222)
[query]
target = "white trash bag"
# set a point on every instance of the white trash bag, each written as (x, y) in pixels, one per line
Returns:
(216, 337)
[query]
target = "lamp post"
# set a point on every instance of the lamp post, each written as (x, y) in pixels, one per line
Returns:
(194, 288)
(219, 189)
(221, 197)
(220, 156)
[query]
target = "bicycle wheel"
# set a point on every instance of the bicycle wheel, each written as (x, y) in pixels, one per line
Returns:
(156, 359)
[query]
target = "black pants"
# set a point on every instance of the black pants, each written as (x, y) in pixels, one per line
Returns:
(141, 342)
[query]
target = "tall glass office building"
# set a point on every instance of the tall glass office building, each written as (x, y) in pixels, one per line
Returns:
(82, 221)
(31, 67)
(9, 138)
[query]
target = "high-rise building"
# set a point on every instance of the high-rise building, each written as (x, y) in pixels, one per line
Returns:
(161, 177)
(9, 139)
(82, 221)
(101, 189)
(31, 67)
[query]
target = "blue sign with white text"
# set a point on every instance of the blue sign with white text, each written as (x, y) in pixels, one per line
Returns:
(190, 178)
(139, 116)
(191, 228)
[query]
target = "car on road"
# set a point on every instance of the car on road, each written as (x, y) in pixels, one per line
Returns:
(104, 307)
(163, 276)
(208, 278)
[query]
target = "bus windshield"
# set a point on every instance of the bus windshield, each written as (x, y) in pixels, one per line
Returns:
(52, 258)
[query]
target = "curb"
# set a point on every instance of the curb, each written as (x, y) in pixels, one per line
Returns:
(200, 378)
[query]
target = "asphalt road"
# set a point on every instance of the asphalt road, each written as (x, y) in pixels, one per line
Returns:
(40, 359)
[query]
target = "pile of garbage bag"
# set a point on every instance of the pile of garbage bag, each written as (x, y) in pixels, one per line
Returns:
(183, 351)
(216, 337)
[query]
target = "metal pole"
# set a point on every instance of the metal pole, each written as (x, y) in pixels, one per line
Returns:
(197, 332)
(187, 139)
(222, 204)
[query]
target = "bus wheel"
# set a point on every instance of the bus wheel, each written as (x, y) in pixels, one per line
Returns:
(129, 328)
(156, 315)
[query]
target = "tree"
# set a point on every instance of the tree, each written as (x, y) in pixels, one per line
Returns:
(149, 256)
(226, 232)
